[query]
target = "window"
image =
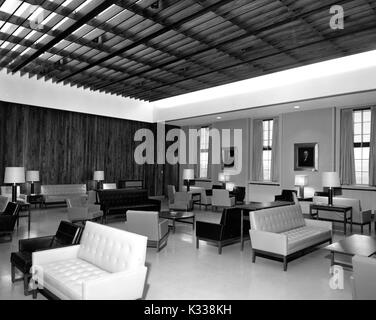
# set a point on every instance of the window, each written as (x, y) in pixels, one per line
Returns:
(204, 152)
(267, 149)
(362, 136)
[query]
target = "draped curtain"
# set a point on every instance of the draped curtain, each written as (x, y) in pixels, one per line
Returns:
(257, 165)
(372, 150)
(347, 162)
(210, 160)
(275, 151)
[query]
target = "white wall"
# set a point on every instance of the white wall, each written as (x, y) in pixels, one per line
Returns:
(17, 89)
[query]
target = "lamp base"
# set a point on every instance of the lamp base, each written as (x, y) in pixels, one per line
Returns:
(14, 193)
(330, 197)
(301, 192)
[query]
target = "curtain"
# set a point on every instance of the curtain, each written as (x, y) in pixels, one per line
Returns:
(275, 151)
(347, 162)
(372, 150)
(210, 149)
(257, 166)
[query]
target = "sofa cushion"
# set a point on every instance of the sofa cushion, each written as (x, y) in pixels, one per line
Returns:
(111, 249)
(67, 276)
(63, 189)
(304, 237)
(277, 219)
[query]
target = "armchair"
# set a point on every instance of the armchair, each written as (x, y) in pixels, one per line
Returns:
(148, 224)
(67, 234)
(171, 193)
(79, 210)
(8, 219)
(109, 264)
(3, 203)
(363, 279)
(221, 198)
(239, 194)
(224, 233)
(182, 201)
(287, 195)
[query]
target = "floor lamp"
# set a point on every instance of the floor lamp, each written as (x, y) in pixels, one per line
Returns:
(14, 176)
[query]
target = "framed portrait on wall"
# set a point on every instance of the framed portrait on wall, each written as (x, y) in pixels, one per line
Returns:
(306, 157)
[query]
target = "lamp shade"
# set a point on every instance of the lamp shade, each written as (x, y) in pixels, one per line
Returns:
(330, 179)
(32, 176)
(301, 180)
(98, 176)
(230, 186)
(14, 175)
(221, 177)
(188, 174)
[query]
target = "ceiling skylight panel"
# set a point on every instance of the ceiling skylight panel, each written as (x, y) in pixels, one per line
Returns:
(7, 27)
(82, 6)
(5, 44)
(24, 11)
(60, 23)
(9, 6)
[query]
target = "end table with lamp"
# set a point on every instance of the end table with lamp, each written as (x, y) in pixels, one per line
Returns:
(188, 176)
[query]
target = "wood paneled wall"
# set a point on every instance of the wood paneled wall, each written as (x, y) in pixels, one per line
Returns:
(67, 147)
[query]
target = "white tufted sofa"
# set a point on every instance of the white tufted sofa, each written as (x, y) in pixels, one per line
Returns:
(282, 232)
(109, 264)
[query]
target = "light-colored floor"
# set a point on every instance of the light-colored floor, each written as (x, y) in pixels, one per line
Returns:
(180, 271)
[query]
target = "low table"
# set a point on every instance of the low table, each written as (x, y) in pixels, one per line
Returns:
(354, 245)
(182, 216)
(336, 208)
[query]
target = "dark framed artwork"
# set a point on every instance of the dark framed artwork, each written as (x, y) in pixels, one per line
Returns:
(306, 157)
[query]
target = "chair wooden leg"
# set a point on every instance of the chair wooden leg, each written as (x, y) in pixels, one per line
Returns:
(26, 284)
(219, 248)
(253, 256)
(285, 263)
(369, 228)
(197, 242)
(35, 293)
(361, 229)
(13, 273)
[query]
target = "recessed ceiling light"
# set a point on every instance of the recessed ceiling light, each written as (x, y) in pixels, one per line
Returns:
(297, 107)
(219, 118)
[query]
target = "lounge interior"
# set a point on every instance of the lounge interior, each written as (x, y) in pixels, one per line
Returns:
(179, 150)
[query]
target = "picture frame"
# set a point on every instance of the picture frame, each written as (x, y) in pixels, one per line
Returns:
(306, 156)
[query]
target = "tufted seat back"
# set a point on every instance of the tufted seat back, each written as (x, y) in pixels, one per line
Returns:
(278, 219)
(112, 249)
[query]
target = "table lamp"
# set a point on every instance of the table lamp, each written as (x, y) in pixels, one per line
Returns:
(301, 181)
(98, 177)
(14, 176)
(331, 181)
(230, 186)
(222, 178)
(32, 176)
(188, 175)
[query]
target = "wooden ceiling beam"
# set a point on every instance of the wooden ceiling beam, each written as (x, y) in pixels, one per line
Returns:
(256, 33)
(150, 37)
(78, 24)
(290, 50)
(95, 23)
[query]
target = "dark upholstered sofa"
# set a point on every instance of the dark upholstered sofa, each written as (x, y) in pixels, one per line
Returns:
(121, 200)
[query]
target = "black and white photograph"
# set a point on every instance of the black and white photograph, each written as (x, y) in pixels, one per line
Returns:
(187, 157)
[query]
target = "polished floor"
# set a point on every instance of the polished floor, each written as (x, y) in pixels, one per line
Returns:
(180, 271)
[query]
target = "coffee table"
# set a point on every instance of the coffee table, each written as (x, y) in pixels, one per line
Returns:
(354, 245)
(178, 216)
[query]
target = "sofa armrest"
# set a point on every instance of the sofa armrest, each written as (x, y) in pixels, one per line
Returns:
(366, 216)
(319, 224)
(35, 244)
(7, 223)
(127, 285)
(163, 228)
(269, 241)
(40, 258)
(209, 230)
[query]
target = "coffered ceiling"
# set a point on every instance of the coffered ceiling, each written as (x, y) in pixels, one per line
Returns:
(155, 49)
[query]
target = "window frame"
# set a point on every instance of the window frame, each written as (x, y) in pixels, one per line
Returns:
(361, 145)
(268, 147)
